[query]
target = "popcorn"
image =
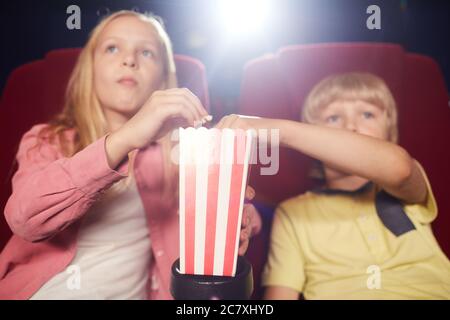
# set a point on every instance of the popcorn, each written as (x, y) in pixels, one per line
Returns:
(205, 119)
(214, 166)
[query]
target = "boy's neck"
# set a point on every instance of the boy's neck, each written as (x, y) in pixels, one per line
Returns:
(342, 181)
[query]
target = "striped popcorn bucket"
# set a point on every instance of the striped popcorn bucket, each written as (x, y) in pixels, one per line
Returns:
(214, 167)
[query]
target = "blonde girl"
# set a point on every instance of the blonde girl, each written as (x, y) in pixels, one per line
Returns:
(94, 202)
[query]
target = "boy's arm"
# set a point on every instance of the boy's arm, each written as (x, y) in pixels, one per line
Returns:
(280, 293)
(385, 163)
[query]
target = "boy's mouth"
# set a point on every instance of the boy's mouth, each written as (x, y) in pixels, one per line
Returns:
(127, 81)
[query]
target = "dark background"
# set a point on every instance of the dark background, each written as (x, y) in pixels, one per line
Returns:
(30, 28)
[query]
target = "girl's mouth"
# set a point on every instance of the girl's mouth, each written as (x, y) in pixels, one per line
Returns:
(127, 82)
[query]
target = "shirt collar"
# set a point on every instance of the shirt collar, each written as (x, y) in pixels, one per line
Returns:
(364, 188)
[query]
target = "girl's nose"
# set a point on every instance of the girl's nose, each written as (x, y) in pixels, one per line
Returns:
(129, 61)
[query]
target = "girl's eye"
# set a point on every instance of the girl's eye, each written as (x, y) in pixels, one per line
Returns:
(147, 53)
(111, 49)
(368, 115)
(332, 119)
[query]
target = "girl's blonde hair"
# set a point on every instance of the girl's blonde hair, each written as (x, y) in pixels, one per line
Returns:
(352, 86)
(82, 110)
(349, 86)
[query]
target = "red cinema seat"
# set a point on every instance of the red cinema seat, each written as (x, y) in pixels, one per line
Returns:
(35, 91)
(276, 86)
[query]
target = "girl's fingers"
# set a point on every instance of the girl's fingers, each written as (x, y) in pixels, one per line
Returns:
(183, 100)
(187, 101)
(243, 248)
(186, 97)
(254, 219)
(245, 233)
(177, 110)
(245, 217)
(249, 193)
(244, 239)
(246, 225)
(197, 103)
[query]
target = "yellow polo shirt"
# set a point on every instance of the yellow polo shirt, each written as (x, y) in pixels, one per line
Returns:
(335, 246)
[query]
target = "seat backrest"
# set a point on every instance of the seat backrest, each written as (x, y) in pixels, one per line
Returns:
(277, 85)
(35, 91)
(424, 131)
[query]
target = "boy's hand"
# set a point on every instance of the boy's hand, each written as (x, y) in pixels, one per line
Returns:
(251, 222)
(235, 121)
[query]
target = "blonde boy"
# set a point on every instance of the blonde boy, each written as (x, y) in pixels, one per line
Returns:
(365, 234)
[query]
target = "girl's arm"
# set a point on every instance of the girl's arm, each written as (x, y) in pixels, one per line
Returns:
(51, 191)
(385, 163)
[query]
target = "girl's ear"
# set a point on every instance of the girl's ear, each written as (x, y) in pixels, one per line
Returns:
(164, 84)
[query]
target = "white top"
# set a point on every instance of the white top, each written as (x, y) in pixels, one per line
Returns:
(113, 253)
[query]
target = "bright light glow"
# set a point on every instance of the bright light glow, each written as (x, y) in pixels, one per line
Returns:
(243, 17)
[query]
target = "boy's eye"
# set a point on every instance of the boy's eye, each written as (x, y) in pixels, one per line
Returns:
(332, 119)
(147, 53)
(368, 115)
(111, 49)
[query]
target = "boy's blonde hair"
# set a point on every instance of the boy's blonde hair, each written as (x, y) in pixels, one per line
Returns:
(349, 86)
(82, 110)
(352, 86)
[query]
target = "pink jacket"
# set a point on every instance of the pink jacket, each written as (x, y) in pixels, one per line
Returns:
(51, 194)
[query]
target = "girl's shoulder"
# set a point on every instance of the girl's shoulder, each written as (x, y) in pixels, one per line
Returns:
(40, 139)
(43, 131)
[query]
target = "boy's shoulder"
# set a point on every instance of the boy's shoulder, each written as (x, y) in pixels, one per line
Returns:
(313, 204)
(300, 203)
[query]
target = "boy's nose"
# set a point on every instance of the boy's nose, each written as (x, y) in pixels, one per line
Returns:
(350, 125)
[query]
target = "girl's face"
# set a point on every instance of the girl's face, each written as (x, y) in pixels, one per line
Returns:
(358, 116)
(128, 66)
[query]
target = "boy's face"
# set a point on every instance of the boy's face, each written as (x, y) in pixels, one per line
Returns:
(127, 65)
(357, 116)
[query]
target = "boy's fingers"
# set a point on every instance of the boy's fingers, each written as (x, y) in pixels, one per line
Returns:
(219, 125)
(227, 121)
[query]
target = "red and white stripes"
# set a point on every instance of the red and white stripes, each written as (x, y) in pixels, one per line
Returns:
(213, 176)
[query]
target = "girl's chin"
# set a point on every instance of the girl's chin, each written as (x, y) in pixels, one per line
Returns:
(126, 109)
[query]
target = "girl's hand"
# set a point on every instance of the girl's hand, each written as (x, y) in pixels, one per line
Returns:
(251, 222)
(163, 112)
